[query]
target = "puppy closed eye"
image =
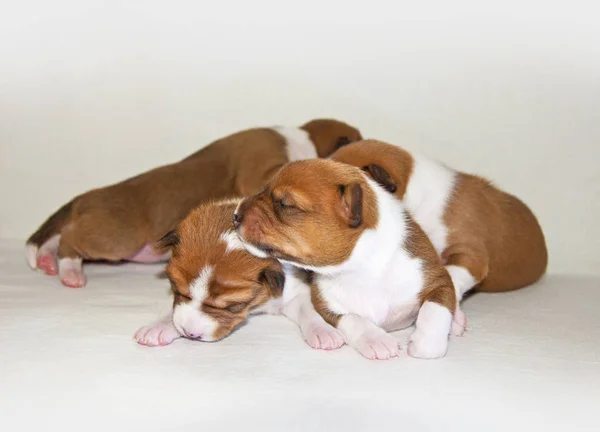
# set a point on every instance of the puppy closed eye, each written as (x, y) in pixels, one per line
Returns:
(284, 204)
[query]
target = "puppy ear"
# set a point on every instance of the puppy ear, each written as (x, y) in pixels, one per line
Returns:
(274, 279)
(351, 203)
(169, 240)
(342, 141)
(381, 176)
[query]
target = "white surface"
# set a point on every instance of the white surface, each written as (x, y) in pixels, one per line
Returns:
(94, 91)
(530, 360)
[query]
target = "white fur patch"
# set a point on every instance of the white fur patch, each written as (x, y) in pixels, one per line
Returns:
(31, 255)
(462, 279)
(254, 250)
(227, 201)
(299, 144)
(199, 288)
(188, 319)
(232, 241)
(429, 190)
(430, 338)
(380, 281)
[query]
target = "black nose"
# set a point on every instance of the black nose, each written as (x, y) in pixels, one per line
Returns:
(237, 220)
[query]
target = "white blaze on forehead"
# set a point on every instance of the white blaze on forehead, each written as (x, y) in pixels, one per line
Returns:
(199, 288)
(232, 241)
(188, 316)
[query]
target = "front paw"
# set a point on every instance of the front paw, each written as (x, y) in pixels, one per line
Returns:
(427, 346)
(376, 344)
(459, 322)
(323, 336)
(158, 334)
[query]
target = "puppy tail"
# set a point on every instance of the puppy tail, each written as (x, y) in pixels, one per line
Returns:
(53, 225)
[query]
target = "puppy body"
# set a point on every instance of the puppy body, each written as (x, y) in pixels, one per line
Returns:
(216, 284)
(373, 268)
(487, 238)
(123, 221)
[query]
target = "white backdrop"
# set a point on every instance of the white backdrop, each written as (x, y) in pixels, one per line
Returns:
(95, 91)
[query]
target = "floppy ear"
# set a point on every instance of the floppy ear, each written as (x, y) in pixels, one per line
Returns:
(351, 203)
(342, 141)
(274, 279)
(169, 240)
(381, 176)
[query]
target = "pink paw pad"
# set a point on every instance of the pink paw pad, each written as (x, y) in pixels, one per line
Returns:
(48, 264)
(73, 279)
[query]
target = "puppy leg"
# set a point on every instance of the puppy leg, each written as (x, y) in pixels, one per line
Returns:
(467, 266)
(70, 266)
(371, 341)
(45, 257)
(159, 333)
(316, 332)
(434, 322)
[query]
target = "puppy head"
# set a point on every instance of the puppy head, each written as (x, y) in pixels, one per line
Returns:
(311, 214)
(215, 281)
(328, 135)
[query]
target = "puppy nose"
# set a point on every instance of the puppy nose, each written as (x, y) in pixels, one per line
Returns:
(191, 335)
(237, 220)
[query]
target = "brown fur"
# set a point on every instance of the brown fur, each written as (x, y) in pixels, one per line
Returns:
(329, 135)
(437, 286)
(491, 233)
(115, 222)
(307, 205)
(304, 216)
(240, 281)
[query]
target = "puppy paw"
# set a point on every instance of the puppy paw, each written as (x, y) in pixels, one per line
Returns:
(459, 322)
(71, 272)
(48, 264)
(376, 344)
(323, 336)
(73, 278)
(158, 334)
(426, 346)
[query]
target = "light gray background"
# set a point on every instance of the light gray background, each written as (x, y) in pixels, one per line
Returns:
(92, 92)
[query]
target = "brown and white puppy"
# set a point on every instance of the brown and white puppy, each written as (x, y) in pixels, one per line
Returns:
(373, 269)
(216, 283)
(123, 221)
(487, 238)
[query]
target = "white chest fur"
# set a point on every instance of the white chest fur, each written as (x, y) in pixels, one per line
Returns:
(429, 189)
(389, 299)
(380, 281)
(299, 144)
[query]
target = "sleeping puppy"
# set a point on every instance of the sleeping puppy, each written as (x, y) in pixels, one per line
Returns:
(123, 221)
(373, 269)
(487, 238)
(216, 283)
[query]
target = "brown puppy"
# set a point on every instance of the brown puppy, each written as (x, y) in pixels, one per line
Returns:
(122, 221)
(487, 238)
(216, 283)
(374, 269)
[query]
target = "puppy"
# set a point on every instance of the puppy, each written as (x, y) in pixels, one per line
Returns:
(373, 269)
(487, 238)
(123, 221)
(216, 283)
